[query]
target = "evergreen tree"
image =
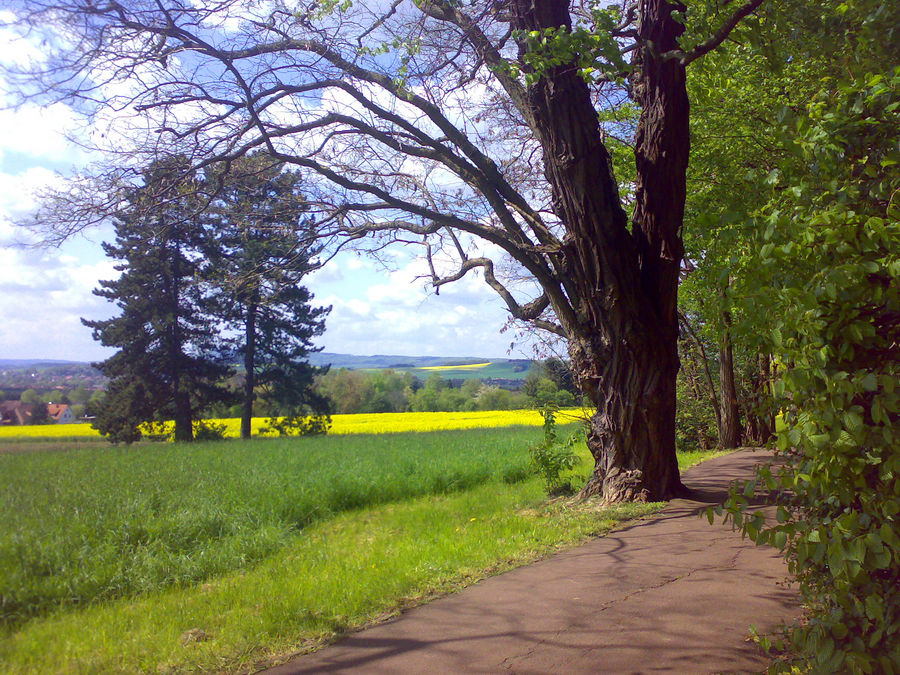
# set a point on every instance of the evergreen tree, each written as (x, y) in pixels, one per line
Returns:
(167, 365)
(261, 249)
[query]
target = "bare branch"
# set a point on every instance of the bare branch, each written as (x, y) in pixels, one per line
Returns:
(530, 312)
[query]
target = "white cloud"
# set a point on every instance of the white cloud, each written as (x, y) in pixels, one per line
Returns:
(398, 313)
(16, 50)
(39, 132)
(43, 296)
(16, 190)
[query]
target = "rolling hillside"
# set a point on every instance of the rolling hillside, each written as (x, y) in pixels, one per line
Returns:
(422, 366)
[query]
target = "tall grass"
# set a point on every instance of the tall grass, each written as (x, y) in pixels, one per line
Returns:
(340, 574)
(87, 525)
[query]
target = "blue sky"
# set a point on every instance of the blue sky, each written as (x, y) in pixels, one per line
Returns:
(45, 292)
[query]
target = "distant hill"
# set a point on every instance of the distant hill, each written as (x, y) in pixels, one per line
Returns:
(19, 374)
(454, 367)
(386, 361)
(37, 363)
(49, 373)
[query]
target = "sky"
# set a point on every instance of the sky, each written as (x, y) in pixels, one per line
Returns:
(45, 292)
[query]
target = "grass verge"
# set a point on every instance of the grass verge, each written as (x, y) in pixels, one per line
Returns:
(87, 525)
(336, 575)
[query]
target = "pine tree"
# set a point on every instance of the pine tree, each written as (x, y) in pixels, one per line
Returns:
(261, 250)
(168, 365)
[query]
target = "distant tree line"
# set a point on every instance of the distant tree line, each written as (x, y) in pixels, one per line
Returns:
(68, 376)
(375, 391)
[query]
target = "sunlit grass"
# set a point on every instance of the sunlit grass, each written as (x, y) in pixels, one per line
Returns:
(103, 523)
(332, 576)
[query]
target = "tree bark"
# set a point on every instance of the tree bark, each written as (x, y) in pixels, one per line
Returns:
(623, 335)
(638, 401)
(760, 418)
(632, 433)
(184, 424)
(249, 370)
(730, 425)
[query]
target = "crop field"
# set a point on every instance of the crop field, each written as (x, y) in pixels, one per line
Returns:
(374, 423)
(469, 366)
(496, 369)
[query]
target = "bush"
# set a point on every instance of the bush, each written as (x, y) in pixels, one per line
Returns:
(695, 421)
(209, 431)
(297, 425)
(551, 457)
(837, 334)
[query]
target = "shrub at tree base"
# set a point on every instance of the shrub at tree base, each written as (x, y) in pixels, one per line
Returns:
(209, 431)
(314, 425)
(838, 338)
(551, 456)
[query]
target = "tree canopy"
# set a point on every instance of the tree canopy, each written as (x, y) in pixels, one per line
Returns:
(800, 189)
(169, 364)
(259, 248)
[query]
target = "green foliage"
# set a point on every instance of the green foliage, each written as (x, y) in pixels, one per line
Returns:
(297, 425)
(40, 414)
(695, 421)
(388, 390)
(836, 330)
(30, 396)
(259, 251)
(79, 395)
(167, 364)
(209, 431)
(552, 456)
(591, 48)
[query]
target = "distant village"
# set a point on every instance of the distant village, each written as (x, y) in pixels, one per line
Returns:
(47, 392)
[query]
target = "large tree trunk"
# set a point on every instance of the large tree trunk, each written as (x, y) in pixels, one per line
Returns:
(632, 433)
(638, 401)
(623, 336)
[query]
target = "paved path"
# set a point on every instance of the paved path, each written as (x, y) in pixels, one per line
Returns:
(670, 594)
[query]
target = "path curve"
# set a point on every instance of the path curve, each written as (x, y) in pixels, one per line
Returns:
(669, 594)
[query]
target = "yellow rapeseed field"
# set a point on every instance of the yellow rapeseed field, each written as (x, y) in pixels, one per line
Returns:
(47, 431)
(374, 423)
(468, 366)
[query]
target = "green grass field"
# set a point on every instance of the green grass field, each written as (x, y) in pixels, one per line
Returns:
(96, 524)
(109, 557)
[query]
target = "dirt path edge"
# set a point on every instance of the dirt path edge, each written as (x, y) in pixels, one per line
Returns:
(668, 594)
